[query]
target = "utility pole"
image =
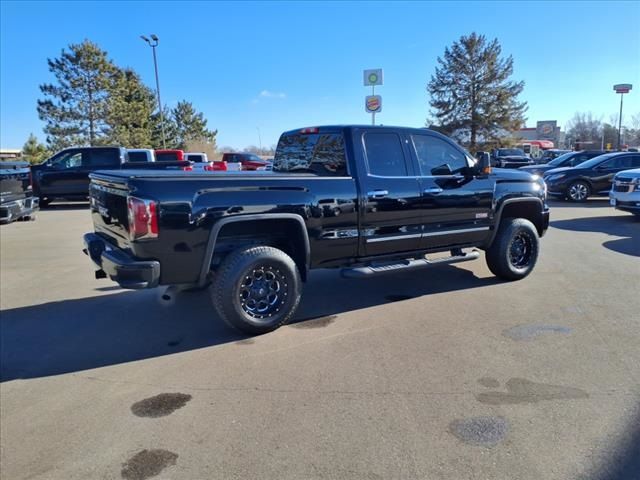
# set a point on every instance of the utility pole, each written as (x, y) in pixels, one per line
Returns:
(153, 43)
(621, 89)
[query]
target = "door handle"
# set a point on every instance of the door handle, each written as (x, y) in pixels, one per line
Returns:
(378, 193)
(433, 190)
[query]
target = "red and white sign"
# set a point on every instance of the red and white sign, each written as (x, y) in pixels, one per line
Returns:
(373, 103)
(623, 88)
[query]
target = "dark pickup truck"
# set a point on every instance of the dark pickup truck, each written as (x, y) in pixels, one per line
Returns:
(510, 158)
(17, 201)
(370, 200)
(66, 174)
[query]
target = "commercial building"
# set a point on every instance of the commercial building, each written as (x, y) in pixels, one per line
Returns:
(544, 130)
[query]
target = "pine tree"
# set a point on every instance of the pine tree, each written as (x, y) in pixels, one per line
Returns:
(129, 108)
(191, 125)
(471, 95)
(33, 151)
(170, 130)
(74, 108)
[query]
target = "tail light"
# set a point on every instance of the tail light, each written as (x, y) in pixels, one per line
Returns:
(309, 130)
(143, 218)
(188, 169)
(216, 167)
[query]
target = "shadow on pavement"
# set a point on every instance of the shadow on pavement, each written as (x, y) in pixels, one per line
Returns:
(67, 206)
(624, 463)
(81, 334)
(591, 202)
(620, 226)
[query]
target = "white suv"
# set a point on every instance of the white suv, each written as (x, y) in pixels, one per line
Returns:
(625, 191)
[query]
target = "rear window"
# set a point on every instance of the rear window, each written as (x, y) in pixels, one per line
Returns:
(167, 157)
(137, 156)
(104, 157)
(196, 158)
(319, 153)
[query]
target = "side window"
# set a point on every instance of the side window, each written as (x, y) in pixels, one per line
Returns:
(71, 159)
(635, 161)
(578, 159)
(320, 153)
(618, 162)
(437, 157)
(104, 157)
(384, 154)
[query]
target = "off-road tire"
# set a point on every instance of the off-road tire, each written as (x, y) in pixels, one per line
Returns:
(229, 290)
(502, 256)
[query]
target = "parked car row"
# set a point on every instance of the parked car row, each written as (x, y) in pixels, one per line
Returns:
(594, 176)
(66, 174)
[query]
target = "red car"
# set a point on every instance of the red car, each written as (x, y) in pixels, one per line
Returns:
(249, 161)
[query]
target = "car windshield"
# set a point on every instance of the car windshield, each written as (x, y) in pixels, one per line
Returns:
(595, 160)
(556, 162)
(506, 152)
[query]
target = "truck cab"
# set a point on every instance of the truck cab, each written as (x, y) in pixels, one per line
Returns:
(66, 174)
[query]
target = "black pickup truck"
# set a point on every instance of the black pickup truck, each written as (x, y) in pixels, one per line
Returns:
(66, 174)
(17, 201)
(370, 200)
(510, 158)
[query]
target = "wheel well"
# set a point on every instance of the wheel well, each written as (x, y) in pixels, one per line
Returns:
(530, 210)
(284, 234)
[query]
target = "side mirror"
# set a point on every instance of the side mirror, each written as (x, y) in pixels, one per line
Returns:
(483, 165)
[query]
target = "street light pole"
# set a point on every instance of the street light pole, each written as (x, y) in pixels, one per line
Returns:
(620, 121)
(621, 89)
(153, 43)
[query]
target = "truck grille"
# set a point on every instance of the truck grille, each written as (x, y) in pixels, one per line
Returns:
(622, 187)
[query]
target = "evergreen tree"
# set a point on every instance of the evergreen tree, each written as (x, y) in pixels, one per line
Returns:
(170, 130)
(74, 108)
(129, 113)
(191, 125)
(33, 151)
(471, 95)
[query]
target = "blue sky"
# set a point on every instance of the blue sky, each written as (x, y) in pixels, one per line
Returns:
(273, 66)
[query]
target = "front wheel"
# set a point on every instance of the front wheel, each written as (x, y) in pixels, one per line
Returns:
(256, 289)
(514, 250)
(578, 191)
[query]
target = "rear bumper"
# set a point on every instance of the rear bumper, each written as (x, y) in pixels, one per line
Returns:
(119, 265)
(17, 209)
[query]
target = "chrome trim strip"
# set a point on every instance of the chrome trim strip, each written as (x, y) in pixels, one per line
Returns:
(428, 234)
(449, 232)
(395, 237)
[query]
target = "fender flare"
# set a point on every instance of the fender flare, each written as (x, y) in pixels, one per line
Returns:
(215, 230)
(498, 216)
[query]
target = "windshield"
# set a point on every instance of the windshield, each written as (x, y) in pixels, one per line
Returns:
(595, 160)
(507, 152)
(556, 162)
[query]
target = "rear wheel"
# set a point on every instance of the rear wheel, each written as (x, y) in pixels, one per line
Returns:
(514, 250)
(578, 191)
(44, 202)
(256, 289)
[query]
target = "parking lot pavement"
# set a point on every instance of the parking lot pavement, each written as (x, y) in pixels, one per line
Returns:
(444, 373)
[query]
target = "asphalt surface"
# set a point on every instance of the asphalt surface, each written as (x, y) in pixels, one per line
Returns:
(439, 374)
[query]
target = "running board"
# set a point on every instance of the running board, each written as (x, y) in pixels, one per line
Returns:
(404, 265)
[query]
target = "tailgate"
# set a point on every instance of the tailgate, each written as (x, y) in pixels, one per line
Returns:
(108, 203)
(14, 184)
